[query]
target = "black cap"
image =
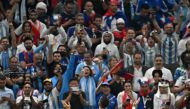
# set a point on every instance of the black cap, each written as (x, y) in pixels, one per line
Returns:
(2, 76)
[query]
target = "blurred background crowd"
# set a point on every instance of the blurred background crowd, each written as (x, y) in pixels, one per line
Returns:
(94, 54)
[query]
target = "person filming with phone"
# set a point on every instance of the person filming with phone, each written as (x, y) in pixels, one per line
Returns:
(27, 100)
(74, 97)
(49, 99)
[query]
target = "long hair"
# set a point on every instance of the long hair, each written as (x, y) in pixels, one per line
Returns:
(91, 72)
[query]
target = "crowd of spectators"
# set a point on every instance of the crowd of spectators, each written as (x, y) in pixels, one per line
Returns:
(94, 54)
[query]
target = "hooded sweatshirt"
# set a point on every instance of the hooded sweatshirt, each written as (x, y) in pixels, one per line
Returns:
(111, 47)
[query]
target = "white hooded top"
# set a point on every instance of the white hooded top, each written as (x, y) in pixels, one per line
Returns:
(111, 47)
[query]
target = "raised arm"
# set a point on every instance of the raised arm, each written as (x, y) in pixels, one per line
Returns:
(178, 26)
(121, 47)
(60, 79)
(155, 24)
(61, 31)
(14, 44)
(87, 40)
(70, 68)
(50, 54)
(41, 46)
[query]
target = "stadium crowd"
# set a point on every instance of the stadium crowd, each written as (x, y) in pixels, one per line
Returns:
(94, 54)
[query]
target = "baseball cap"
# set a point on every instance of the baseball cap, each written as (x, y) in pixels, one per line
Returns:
(105, 84)
(47, 80)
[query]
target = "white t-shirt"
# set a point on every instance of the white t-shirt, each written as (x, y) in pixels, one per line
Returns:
(167, 75)
(138, 75)
(27, 101)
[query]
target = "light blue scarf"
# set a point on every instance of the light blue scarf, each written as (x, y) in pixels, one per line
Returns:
(5, 60)
(89, 87)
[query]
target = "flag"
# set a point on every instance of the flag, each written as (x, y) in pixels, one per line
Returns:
(117, 67)
(128, 76)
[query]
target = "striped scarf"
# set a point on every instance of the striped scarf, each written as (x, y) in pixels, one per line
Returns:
(88, 86)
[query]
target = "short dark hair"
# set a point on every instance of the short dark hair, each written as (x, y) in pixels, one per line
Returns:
(158, 55)
(130, 28)
(27, 83)
(79, 15)
(137, 52)
(4, 38)
(62, 45)
(68, 2)
(27, 38)
(56, 52)
(32, 11)
(104, 102)
(89, 52)
(144, 6)
(73, 79)
(98, 16)
(159, 72)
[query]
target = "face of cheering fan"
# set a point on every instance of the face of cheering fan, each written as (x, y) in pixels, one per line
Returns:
(87, 72)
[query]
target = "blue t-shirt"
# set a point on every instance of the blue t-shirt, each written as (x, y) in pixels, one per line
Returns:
(112, 100)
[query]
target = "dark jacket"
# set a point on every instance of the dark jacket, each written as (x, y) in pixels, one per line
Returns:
(130, 69)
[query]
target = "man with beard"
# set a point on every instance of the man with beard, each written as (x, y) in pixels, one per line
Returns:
(112, 14)
(138, 70)
(66, 73)
(38, 28)
(169, 42)
(158, 65)
(107, 42)
(41, 9)
(6, 52)
(56, 33)
(120, 32)
(26, 57)
(64, 54)
(14, 75)
(146, 99)
(49, 98)
(128, 47)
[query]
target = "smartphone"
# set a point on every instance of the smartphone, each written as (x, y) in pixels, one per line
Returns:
(75, 89)
(53, 19)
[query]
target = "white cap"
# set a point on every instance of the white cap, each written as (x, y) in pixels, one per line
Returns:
(42, 5)
(120, 20)
(163, 84)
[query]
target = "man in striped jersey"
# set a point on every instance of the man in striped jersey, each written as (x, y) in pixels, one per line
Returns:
(169, 42)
